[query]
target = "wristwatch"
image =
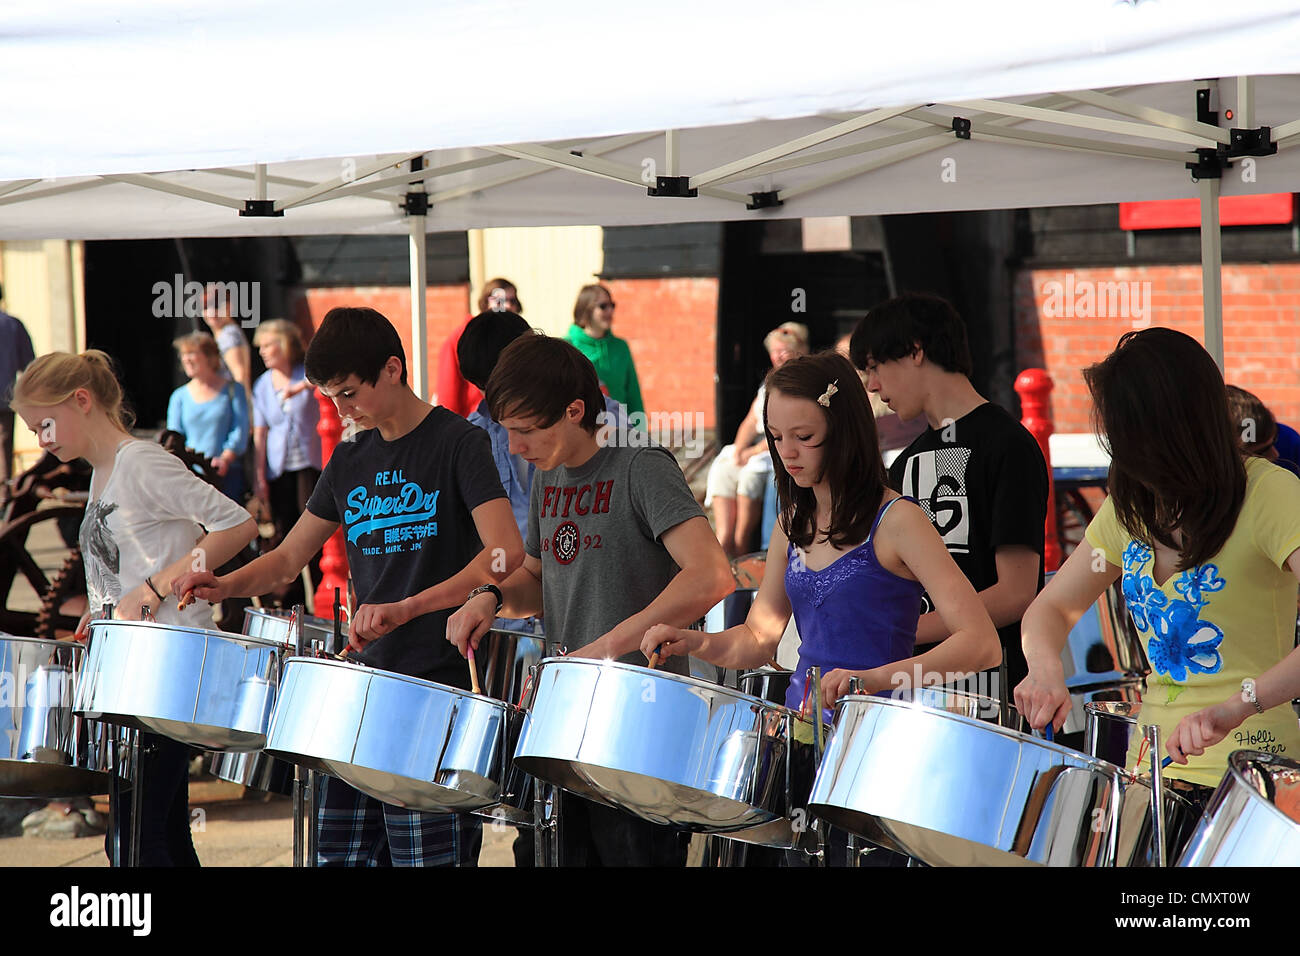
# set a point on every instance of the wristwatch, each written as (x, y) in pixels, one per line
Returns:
(1248, 694)
(484, 588)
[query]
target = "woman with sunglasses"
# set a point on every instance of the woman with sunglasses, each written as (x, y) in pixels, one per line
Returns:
(593, 314)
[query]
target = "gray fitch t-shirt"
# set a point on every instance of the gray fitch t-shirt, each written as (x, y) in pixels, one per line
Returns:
(597, 531)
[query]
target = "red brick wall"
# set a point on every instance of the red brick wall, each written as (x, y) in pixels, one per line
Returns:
(671, 326)
(447, 307)
(1261, 318)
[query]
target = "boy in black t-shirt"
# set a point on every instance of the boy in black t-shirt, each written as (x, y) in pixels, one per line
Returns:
(425, 520)
(976, 471)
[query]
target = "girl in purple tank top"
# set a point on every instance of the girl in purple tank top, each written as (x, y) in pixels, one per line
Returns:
(848, 558)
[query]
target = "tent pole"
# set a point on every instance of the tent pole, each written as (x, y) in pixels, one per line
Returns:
(1212, 268)
(419, 334)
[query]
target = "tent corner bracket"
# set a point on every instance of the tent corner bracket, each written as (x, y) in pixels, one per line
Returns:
(1252, 142)
(261, 208)
(675, 186)
(415, 204)
(961, 126)
(767, 200)
(1210, 164)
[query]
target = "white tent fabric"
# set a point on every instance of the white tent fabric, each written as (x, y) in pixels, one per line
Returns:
(153, 119)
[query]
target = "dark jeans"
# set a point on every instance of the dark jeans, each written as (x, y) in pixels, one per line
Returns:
(596, 835)
(164, 809)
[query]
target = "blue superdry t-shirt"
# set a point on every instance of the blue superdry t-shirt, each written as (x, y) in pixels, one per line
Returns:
(405, 510)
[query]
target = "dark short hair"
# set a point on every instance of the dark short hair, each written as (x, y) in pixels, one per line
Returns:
(482, 342)
(1246, 409)
(899, 326)
(353, 341)
(1161, 409)
(851, 464)
(541, 376)
(485, 297)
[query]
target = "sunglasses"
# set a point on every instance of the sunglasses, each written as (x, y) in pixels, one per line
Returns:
(605, 305)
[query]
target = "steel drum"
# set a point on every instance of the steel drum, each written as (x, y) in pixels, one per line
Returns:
(951, 790)
(1110, 727)
(404, 741)
(1103, 659)
(670, 749)
(505, 659)
(47, 751)
(254, 769)
(1253, 819)
(209, 689)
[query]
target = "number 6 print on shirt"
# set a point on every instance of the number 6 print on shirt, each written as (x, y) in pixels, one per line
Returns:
(937, 480)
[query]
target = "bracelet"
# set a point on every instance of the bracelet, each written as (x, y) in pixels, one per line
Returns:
(483, 589)
(148, 579)
(1248, 694)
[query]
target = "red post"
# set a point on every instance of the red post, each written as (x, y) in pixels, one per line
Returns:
(1034, 386)
(334, 559)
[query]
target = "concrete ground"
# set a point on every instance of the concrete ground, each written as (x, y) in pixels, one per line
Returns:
(230, 831)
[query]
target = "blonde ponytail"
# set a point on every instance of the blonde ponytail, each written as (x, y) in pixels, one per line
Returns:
(52, 379)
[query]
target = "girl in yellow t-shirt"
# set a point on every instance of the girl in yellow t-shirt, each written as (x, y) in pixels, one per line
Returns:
(1206, 543)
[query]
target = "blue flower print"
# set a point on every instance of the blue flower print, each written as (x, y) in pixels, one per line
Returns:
(1143, 598)
(1136, 555)
(1199, 581)
(1181, 642)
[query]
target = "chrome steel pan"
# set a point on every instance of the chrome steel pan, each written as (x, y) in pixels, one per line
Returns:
(404, 741)
(1110, 726)
(670, 749)
(272, 625)
(45, 750)
(954, 791)
(504, 659)
(1253, 819)
(1104, 646)
(209, 689)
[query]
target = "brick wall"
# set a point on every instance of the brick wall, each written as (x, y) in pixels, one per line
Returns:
(1261, 318)
(447, 307)
(671, 325)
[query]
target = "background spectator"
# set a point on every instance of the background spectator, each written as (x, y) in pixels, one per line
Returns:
(210, 410)
(15, 354)
(454, 390)
(593, 314)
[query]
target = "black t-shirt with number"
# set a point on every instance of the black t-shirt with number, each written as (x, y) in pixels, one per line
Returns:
(405, 510)
(983, 483)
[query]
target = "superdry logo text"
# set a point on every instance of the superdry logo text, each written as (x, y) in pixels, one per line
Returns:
(77, 909)
(405, 518)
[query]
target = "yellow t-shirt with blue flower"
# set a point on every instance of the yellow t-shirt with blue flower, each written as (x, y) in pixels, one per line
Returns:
(1208, 627)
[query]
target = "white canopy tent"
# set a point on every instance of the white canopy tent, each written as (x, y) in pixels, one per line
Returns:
(154, 119)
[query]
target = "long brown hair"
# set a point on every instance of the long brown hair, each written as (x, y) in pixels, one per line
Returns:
(1161, 409)
(851, 462)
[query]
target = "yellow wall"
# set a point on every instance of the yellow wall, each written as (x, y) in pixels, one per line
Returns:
(44, 287)
(548, 265)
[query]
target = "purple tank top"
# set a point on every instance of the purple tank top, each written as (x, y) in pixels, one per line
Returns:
(852, 614)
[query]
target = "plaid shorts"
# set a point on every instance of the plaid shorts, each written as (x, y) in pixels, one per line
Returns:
(353, 829)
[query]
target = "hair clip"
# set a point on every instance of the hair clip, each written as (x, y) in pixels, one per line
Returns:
(824, 399)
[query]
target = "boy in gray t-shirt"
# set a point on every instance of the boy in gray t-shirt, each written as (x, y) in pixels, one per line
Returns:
(616, 543)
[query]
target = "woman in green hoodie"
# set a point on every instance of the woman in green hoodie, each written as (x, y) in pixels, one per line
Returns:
(593, 314)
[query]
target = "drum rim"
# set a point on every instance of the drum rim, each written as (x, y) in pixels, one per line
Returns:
(379, 672)
(182, 629)
(1236, 773)
(6, 638)
(1098, 707)
(1077, 757)
(647, 672)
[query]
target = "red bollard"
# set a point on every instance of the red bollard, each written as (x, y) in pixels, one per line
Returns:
(334, 559)
(1034, 386)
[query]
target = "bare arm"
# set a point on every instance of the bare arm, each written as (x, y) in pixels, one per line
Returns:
(268, 572)
(704, 580)
(259, 449)
(239, 361)
(906, 536)
(1006, 601)
(751, 644)
(1042, 696)
(522, 596)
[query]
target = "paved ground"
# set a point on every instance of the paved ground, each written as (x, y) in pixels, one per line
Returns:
(230, 831)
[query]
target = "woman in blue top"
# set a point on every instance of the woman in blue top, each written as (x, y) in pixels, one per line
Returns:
(847, 558)
(210, 411)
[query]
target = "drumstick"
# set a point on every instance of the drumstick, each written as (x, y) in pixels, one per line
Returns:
(654, 658)
(473, 673)
(186, 600)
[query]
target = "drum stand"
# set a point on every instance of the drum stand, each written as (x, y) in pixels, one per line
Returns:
(547, 802)
(306, 783)
(115, 790)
